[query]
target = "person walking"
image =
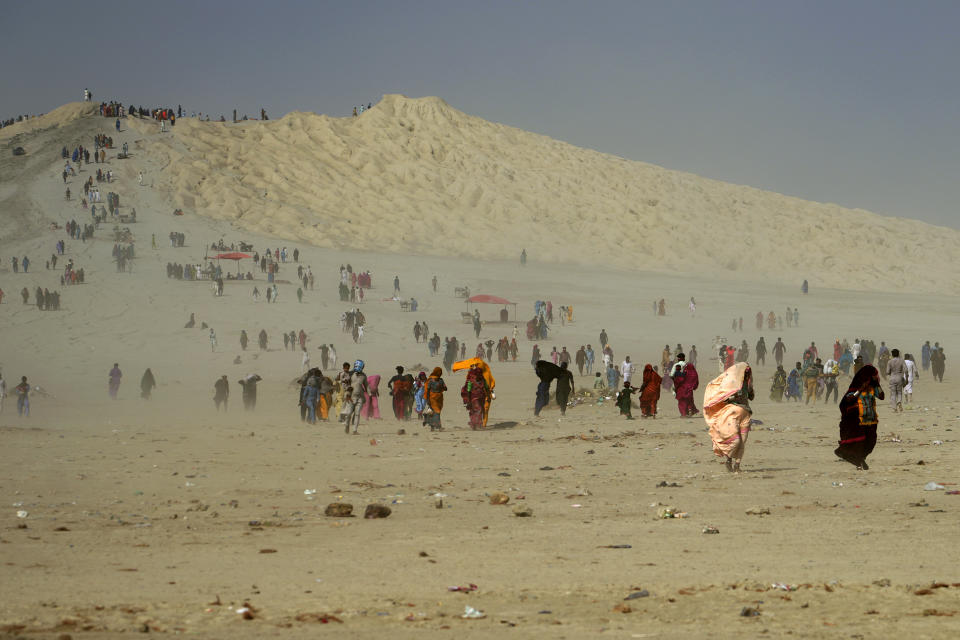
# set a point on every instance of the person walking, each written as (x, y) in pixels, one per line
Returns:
(685, 381)
(113, 385)
(23, 398)
(858, 417)
(896, 377)
(564, 387)
(912, 373)
(221, 392)
(726, 409)
(147, 384)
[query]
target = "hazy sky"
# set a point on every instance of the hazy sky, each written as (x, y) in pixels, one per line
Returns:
(849, 102)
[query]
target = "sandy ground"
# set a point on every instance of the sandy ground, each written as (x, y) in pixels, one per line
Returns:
(144, 515)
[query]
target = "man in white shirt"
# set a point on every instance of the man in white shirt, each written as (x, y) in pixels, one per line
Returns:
(626, 369)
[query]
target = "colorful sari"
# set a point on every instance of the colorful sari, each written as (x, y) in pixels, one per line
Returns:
(434, 389)
(685, 382)
(649, 392)
(371, 406)
(419, 394)
(726, 409)
(488, 378)
(858, 417)
(474, 396)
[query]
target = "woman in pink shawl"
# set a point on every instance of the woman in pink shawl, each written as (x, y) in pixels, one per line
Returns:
(685, 382)
(371, 406)
(726, 408)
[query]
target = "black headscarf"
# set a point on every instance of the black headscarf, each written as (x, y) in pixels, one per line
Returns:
(547, 371)
(867, 373)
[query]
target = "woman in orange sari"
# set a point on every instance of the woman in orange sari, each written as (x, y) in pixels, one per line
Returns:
(649, 392)
(435, 387)
(726, 408)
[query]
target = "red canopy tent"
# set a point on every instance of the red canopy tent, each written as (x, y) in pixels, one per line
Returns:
(235, 255)
(488, 299)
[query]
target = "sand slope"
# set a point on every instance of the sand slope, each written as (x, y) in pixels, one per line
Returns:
(416, 175)
(56, 118)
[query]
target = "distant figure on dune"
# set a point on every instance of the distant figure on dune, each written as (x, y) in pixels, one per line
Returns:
(805, 287)
(113, 384)
(243, 339)
(523, 257)
(191, 323)
(262, 339)
(662, 307)
(147, 383)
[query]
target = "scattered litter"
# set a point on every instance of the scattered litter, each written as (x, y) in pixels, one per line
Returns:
(268, 550)
(247, 611)
(711, 530)
(615, 546)
(933, 486)
(546, 468)
(469, 613)
(322, 618)
(784, 587)
(837, 484)
(622, 608)
(758, 511)
(666, 513)
(576, 506)
(309, 492)
(951, 493)
(471, 587)
(22, 514)
(749, 612)
(643, 593)
(498, 497)
(504, 474)
(938, 442)
(522, 512)
(664, 483)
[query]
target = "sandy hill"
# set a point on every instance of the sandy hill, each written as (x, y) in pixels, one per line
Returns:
(57, 118)
(418, 176)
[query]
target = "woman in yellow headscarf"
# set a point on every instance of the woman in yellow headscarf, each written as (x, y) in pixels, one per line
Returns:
(489, 381)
